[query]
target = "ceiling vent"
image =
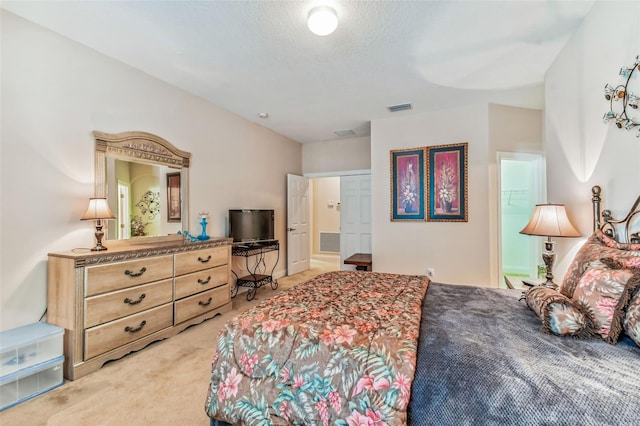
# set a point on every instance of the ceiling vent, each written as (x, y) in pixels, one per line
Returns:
(399, 107)
(343, 133)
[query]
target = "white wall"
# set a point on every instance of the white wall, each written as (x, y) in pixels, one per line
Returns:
(457, 251)
(349, 154)
(510, 130)
(460, 252)
(581, 150)
(55, 92)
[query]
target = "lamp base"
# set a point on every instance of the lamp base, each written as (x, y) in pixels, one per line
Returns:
(549, 284)
(99, 235)
(549, 257)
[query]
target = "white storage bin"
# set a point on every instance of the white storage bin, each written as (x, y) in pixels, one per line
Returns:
(29, 345)
(30, 382)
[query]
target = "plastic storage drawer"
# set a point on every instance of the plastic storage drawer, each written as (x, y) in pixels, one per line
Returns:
(30, 382)
(29, 345)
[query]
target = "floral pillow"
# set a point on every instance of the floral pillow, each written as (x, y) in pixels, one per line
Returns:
(631, 321)
(597, 246)
(558, 314)
(604, 291)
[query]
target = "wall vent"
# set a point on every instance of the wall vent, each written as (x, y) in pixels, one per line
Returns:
(330, 241)
(399, 107)
(343, 133)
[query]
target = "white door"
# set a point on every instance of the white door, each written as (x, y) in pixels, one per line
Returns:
(298, 238)
(355, 216)
(124, 224)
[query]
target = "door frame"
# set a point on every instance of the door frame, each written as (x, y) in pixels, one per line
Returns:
(540, 196)
(338, 174)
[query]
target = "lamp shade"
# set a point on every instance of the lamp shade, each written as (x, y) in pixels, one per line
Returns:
(550, 220)
(322, 21)
(98, 209)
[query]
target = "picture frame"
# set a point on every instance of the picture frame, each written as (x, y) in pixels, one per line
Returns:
(407, 192)
(174, 198)
(447, 183)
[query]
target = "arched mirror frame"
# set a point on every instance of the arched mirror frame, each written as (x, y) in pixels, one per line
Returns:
(141, 147)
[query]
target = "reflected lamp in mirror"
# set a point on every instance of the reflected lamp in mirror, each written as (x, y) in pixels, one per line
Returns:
(98, 210)
(550, 220)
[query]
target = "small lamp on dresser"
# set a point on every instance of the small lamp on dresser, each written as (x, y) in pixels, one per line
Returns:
(98, 210)
(550, 220)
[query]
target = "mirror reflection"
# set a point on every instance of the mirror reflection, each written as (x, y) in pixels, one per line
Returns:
(146, 182)
(139, 194)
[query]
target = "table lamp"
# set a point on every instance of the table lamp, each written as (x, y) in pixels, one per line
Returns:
(550, 220)
(98, 210)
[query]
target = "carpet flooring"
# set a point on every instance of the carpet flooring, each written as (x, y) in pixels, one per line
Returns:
(163, 384)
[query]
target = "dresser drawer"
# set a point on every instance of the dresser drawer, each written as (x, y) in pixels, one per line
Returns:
(200, 303)
(117, 304)
(116, 276)
(196, 282)
(103, 338)
(198, 260)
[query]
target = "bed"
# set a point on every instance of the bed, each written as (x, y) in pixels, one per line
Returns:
(427, 353)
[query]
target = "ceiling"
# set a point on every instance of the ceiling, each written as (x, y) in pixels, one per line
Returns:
(258, 56)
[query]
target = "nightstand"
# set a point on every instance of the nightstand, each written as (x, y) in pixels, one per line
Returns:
(514, 282)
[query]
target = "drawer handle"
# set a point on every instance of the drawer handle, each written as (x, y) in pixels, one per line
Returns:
(201, 260)
(134, 302)
(203, 282)
(136, 329)
(135, 274)
(208, 302)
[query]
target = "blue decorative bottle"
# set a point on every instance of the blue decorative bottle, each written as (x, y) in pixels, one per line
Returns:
(203, 236)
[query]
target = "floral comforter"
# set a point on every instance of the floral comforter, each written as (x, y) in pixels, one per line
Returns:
(339, 349)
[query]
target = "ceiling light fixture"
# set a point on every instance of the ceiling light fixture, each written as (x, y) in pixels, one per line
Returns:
(323, 20)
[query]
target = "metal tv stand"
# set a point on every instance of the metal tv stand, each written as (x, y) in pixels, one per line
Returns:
(255, 280)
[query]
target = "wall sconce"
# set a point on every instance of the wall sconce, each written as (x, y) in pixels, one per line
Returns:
(627, 116)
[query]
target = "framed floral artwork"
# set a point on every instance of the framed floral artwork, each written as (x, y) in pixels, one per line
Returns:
(174, 198)
(447, 183)
(407, 184)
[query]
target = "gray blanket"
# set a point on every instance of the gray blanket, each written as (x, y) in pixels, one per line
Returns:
(484, 360)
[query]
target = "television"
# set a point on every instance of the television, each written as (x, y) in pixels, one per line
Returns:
(251, 225)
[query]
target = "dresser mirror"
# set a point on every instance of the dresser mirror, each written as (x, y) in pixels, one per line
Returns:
(146, 182)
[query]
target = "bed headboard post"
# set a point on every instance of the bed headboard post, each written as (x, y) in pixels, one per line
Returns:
(604, 221)
(595, 200)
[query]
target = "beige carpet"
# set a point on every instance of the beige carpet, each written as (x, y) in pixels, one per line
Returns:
(164, 384)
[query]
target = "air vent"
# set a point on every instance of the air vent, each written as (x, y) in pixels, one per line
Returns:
(343, 133)
(399, 107)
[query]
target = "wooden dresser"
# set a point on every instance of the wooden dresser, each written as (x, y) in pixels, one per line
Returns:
(113, 302)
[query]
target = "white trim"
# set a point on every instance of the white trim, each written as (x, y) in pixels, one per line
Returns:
(338, 173)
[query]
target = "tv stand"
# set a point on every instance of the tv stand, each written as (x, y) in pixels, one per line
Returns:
(255, 280)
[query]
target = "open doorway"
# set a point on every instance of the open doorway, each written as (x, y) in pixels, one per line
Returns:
(521, 187)
(325, 223)
(340, 219)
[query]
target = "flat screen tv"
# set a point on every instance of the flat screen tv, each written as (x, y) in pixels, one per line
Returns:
(250, 225)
